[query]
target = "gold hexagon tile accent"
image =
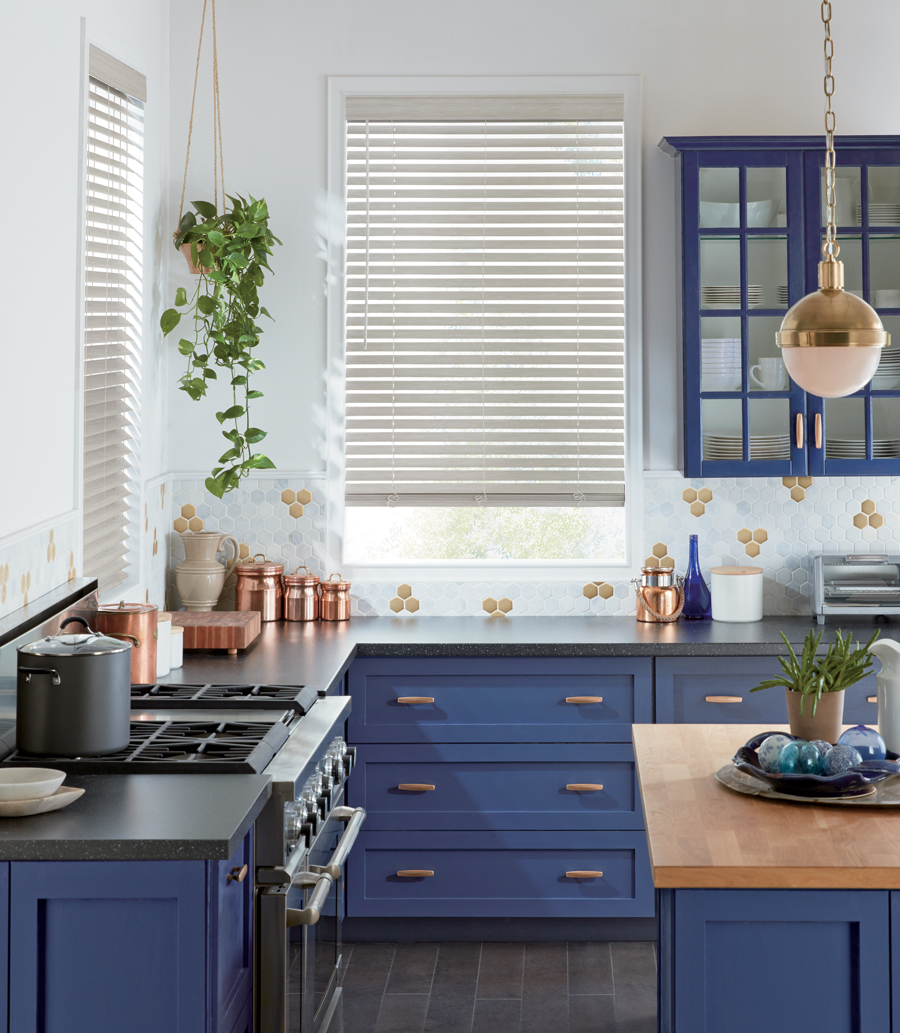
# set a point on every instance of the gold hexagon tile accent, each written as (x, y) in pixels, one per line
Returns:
(876, 520)
(689, 495)
(604, 590)
(147, 596)
(188, 510)
(195, 524)
(489, 605)
(659, 550)
(244, 551)
(146, 518)
(295, 509)
(71, 563)
(155, 543)
(704, 495)
(504, 605)
(589, 591)
(798, 494)
(752, 549)
(162, 496)
(288, 496)
(412, 605)
(180, 524)
(667, 561)
(789, 482)
(805, 482)
(304, 496)
(744, 535)
(760, 535)
(697, 509)
(396, 604)
(404, 591)
(868, 507)
(651, 561)
(861, 520)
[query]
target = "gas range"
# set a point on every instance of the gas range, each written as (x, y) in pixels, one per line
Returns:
(248, 696)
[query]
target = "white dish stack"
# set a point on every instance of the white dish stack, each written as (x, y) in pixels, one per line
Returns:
(721, 364)
(880, 214)
(730, 297)
(855, 448)
(762, 446)
(887, 376)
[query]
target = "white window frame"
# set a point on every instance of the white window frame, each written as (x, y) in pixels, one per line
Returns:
(339, 89)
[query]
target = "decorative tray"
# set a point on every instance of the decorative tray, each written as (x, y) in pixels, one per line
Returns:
(885, 794)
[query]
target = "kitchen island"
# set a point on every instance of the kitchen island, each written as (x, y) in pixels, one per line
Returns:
(768, 912)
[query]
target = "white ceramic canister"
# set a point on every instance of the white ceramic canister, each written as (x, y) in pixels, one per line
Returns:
(163, 644)
(737, 593)
(176, 653)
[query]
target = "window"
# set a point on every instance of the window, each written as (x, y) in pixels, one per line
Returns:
(485, 329)
(113, 235)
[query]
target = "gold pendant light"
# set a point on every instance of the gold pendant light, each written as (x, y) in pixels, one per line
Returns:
(831, 340)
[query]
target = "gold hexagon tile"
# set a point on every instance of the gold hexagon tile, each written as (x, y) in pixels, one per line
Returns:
(798, 494)
(304, 496)
(195, 524)
(659, 550)
(861, 520)
(651, 561)
(704, 495)
(180, 524)
(697, 509)
(146, 518)
(288, 496)
(805, 482)
(188, 510)
(412, 605)
(760, 535)
(604, 590)
(504, 605)
(868, 507)
(667, 561)
(876, 520)
(162, 496)
(295, 509)
(489, 605)
(404, 591)
(744, 535)
(396, 604)
(689, 495)
(244, 551)
(789, 482)
(589, 591)
(752, 549)
(155, 543)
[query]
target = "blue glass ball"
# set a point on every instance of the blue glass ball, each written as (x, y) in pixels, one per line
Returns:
(809, 760)
(841, 758)
(822, 746)
(769, 752)
(866, 740)
(789, 761)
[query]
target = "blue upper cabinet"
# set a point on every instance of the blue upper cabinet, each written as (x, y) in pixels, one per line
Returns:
(751, 228)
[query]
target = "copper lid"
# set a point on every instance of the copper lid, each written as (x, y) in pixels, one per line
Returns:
(657, 570)
(259, 565)
(126, 608)
(296, 578)
(340, 585)
(735, 570)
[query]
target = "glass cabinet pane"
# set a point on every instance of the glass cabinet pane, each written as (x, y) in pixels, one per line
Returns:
(767, 280)
(720, 353)
(846, 196)
(766, 195)
(719, 198)
(770, 428)
(767, 372)
(851, 256)
(887, 376)
(845, 428)
(886, 428)
(720, 272)
(884, 195)
(722, 429)
(884, 271)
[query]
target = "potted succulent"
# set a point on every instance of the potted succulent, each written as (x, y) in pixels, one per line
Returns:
(814, 685)
(229, 253)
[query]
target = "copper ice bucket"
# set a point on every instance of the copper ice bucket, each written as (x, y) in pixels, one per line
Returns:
(659, 595)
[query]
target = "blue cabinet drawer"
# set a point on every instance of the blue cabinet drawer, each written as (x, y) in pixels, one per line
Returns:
(499, 700)
(691, 690)
(493, 786)
(500, 875)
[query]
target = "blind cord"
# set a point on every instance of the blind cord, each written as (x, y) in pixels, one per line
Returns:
(483, 497)
(366, 285)
(393, 497)
(578, 494)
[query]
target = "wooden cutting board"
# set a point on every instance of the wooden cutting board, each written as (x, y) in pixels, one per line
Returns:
(218, 629)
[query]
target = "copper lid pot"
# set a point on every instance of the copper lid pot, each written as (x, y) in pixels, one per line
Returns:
(335, 599)
(134, 623)
(301, 596)
(259, 587)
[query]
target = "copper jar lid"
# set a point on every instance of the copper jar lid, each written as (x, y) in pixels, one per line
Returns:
(336, 586)
(259, 565)
(296, 578)
(126, 608)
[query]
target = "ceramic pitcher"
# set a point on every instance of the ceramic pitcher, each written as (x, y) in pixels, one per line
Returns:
(888, 685)
(201, 577)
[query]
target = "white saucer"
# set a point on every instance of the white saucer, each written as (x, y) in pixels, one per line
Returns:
(20, 808)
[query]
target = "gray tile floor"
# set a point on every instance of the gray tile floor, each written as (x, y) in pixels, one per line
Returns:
(498, 988)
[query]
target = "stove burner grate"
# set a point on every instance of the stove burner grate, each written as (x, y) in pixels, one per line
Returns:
(241, 696)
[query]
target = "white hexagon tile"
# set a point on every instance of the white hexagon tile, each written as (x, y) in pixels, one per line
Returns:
(35, 562)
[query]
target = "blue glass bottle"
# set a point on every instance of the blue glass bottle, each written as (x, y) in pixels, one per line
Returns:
(697, 599)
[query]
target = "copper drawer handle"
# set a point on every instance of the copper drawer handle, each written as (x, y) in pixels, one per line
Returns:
(584, 875)
(799, 430)
(415, 873)
(584, 699)
(724, 699)
(415, 787)
(238, 874)
(415, 699)
(818, 430)
(584, 787)
(871, 699)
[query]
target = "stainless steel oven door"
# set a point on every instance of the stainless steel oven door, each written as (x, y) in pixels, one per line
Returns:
(298, 963)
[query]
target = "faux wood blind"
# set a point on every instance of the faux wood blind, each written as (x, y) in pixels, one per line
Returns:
(485, 310)
(112, 322)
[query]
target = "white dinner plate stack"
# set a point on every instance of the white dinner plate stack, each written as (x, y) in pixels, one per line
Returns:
(730, 297)
(721, 363)
(881, 214)
(854, 448)
(762, 446)
(781, 295)
(887, 376)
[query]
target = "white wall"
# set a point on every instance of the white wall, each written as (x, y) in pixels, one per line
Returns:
(708, 68)
(40, 111)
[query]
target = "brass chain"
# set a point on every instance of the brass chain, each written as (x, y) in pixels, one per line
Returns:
(830, 248)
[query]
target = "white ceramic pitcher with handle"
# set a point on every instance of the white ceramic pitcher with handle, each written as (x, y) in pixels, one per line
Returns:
(201, 577)
(888, 682)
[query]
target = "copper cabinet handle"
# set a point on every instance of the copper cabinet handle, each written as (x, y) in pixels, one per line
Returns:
(584, 787)
(871, 699)
(415, 873)
(799, 432)
(238, 874)
(584, 699)
(584, 875)
(818, 430)
(415, 787)
(415, 699)
(724, 699)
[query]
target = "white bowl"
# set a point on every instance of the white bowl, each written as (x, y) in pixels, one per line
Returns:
(29, 783)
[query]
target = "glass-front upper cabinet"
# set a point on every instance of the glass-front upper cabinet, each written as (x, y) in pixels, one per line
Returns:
(752, 221)
(860, 434)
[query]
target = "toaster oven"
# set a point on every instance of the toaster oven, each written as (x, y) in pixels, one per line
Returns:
(855, 584)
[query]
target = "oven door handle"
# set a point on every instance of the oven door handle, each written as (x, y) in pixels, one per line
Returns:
(312, 912)
(354, 816)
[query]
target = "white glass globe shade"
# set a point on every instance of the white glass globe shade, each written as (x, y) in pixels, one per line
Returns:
(831, 372)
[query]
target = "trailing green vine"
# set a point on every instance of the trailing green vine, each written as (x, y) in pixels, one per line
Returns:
(231, 250)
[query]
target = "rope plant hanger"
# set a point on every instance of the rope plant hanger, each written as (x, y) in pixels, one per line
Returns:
(229, 255)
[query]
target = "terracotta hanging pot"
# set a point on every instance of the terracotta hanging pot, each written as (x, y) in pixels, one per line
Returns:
(185, 249)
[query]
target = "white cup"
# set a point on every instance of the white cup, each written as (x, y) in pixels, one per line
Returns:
(887, 299)
(772, 376)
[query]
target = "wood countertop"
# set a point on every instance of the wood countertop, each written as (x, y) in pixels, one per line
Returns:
(704, 835)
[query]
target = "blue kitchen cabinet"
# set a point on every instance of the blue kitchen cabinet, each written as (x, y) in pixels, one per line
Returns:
(143, 946)
(751, 225)
(716, 690)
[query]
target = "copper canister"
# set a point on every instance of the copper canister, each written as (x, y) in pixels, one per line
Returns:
(259, 587)
(335, 604)
(659, 595)
(134, 623)
(301, 596)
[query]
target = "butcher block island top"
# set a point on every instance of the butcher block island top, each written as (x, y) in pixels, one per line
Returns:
(702, 834)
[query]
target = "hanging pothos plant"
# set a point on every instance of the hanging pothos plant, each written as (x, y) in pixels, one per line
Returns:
(230, 251)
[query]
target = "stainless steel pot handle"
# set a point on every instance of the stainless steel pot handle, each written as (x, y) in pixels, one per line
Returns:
(312, 912)
(29, 671)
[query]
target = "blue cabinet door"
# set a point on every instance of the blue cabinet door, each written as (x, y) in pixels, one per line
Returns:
(746, 960)
(716, 690)
(108, 946)
(499, 700)
(497, 786)
(4, 947)
(231, 936)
